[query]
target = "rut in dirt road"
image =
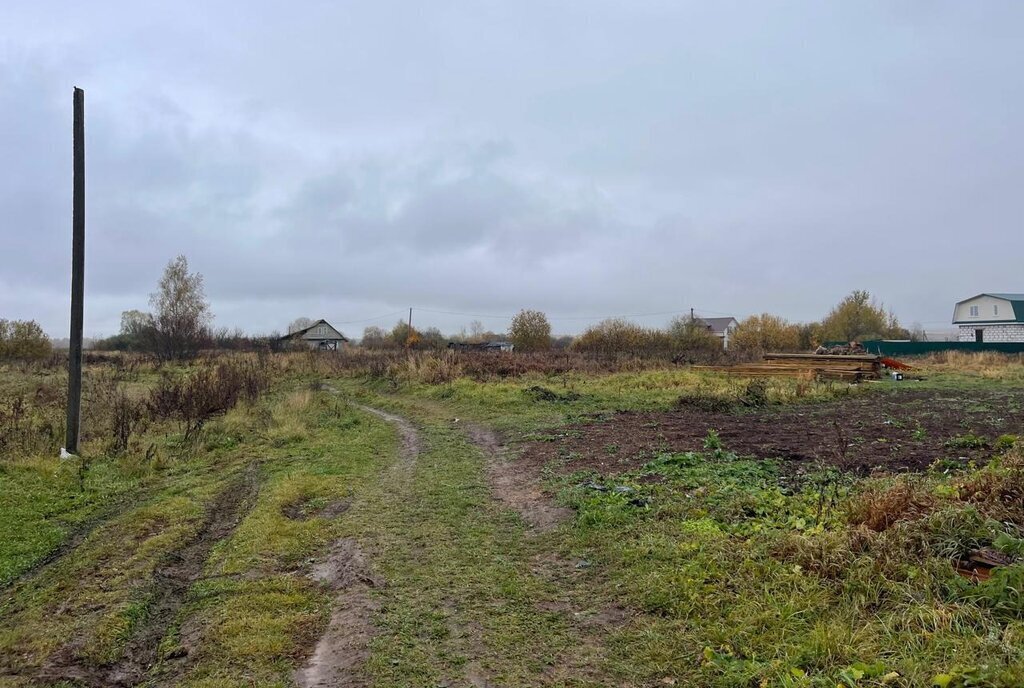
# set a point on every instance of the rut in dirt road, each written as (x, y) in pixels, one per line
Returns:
(344, 647)
(170, 585)
(518, 489)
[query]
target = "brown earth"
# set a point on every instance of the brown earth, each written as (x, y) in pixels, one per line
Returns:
(906, 430)
(345, 645)
(516, 489)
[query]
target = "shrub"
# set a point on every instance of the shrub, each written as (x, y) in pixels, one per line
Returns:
(23, 340)
(616, 336)
(208, 392)
(530, 331)
(765, 332)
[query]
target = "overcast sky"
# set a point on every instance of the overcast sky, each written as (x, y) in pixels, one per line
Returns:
(348, 160)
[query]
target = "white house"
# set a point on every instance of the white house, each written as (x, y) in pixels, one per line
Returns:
(721, 328)
(990, 318)
(320, 335)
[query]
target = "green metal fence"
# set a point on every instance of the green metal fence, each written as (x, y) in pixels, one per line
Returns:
(900, 348)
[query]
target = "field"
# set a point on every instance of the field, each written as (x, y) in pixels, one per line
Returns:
(493, 520)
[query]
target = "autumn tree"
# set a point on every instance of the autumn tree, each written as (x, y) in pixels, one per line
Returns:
(692, 335)
(530, 331)
(23, 340)
(617, 336)
(432, 338)
(404, 336)
(765, 332)
(181, 316)
(375, 338)
(859, 317)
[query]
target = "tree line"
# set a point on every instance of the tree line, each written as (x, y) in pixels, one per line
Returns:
(857, 317)
(179, 326)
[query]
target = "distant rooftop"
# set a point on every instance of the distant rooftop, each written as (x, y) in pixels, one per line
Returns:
(717, 325)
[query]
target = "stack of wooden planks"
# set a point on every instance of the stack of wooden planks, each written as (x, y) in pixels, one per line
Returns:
(820, 366)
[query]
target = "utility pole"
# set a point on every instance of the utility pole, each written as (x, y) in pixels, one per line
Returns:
(77, 274)
(408, 335)
(691, 314)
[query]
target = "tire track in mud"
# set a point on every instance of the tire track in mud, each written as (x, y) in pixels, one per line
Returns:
(520, 488)
(344, 647)
(517, 489)
(172, 580)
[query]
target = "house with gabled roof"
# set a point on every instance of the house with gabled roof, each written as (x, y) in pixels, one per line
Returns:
(990, 317)
(320, 335)
(720, 327)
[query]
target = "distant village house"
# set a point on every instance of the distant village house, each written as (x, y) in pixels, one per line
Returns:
(990, 317)
(720, 327)
(320, 335)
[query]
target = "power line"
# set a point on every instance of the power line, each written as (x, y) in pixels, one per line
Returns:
(376, 317)
(571, 317)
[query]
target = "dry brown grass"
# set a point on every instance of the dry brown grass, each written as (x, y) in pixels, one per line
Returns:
(878, 507)
(987, 364)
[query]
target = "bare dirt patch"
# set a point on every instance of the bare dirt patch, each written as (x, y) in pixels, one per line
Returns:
(303, 511)
(887, 431)
(345, 645)
(521, 491)
(407, 431)
(171, 583)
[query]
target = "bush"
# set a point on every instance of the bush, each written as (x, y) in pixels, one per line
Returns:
(616, 336)
(23, 340)
(207, 393)
(530, 331)
(765, 332)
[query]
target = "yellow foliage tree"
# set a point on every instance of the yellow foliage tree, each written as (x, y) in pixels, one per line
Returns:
(530, 331)
(765, 332)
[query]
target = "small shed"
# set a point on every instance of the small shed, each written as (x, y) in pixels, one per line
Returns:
(498, 345)
(321, 335)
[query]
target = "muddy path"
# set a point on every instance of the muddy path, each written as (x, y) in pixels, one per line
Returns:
(344, 647)
(410, 437)
(169, 588)
(517, 489)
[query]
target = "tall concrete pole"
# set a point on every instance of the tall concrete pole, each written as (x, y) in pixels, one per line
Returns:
(77, 275)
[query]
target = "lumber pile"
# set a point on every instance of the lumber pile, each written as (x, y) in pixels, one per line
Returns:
(819, 366)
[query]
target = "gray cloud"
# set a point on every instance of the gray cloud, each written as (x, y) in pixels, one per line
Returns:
(350, 161)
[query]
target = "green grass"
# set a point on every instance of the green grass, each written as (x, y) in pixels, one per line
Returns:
(739, 583)
(697, 569)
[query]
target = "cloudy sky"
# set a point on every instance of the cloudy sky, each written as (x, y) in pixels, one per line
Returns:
(348, 160)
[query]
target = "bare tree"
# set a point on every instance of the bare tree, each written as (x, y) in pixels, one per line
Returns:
(181, 314)
(299, 324)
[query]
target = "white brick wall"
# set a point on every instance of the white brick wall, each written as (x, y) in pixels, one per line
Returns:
(1011, 332)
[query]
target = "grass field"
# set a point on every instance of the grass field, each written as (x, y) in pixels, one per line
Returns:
(570, 528)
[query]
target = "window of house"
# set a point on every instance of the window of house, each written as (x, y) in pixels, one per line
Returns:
(974, 311)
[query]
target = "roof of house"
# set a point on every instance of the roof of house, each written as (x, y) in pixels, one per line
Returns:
(1016, 300)
(299, 333)
(718, 325)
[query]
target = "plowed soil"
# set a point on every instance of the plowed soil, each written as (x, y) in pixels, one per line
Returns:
(904, 430)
